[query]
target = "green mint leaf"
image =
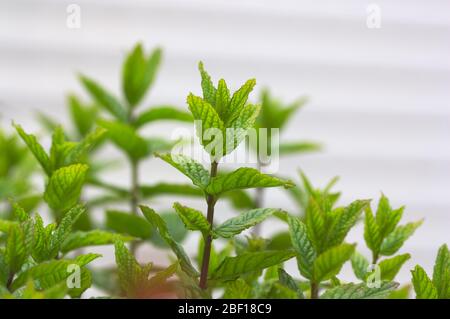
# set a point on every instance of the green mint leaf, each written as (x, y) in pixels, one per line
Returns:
(210, 122)
(441, 273)
(242, 178)
(157, 113)
(394, 241)
(238, 101)
(189, 167)
(372, 232)
(286, 280)
(35, 148)
(64, 187)
(222, 98)
(234, 267)
(344, 220)
(64, 228)
(209, 91)
(360, 291)
(53, 272)
(423, 286)
(127, 139)
(161, 276)
(80, 239)
(237, 289)
(240, 126)
(316, 225)
(139, 73)
(104, 99)
(83, 117)
(360, 265)
(238, 224)
(192, 219)
(329, 263)
(123, 222)
(390, 267)
(157, 222)
(302, 246)
(16, 250)
(132, 275)
(298, 148)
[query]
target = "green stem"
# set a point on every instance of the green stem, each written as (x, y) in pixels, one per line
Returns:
(211, 201)
(314, 290)
(134, 195)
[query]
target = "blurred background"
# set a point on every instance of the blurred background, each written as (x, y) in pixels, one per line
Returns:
(379, 97)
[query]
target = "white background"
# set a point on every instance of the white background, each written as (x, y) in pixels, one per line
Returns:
(379, 97)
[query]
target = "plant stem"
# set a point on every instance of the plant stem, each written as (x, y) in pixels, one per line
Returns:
(314, 290)
(375, 258)
(211, 201)
(134, 195)
(259, 201)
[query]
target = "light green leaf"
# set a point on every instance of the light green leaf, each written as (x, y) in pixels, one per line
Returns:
(441, 272)
(222, 98)
(139, 73)
(303, 247)
(330, 262)
(299, 147)
(234, 267)
(123, 222)
(237, 289)
(209, 91)
(289, 282)
(242, 178)
(36, 148)
(104, 99)
(53, 272)
(156, 221)
(83, 117)
(345, 220)
(390, 267)
(64, 187)
(360, 265)
(240, 127)
(127, 139)
(80, 149)
(131, 274)
(156, 113)
(360, 291)
(316, 225)
(192, 219)
(161, 276)
(15, 251)
(372, 232)
(64, 228)
(238, 101)
(394, 241)
(423, 285)
(189, 167)
(208, 119)
(238, 224)
(95, 237)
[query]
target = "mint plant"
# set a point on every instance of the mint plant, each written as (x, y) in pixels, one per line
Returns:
(220, 112)
(438, 287)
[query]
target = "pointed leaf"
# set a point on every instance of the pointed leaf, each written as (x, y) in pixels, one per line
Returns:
(423, 285)
(156, 113)
(104, 99)
(238, 224)
(189, 167)
(209, 91)
(192, 219)
(64, 187)
(234, 267)
(238, 101)
(360, 291)
(242, 178)
(95, 237)
(395, 240)
(360, 265)
(441, 273)
(124, 222)
(329, 263)
(390, 267)
(156, 221)
(303, 247)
